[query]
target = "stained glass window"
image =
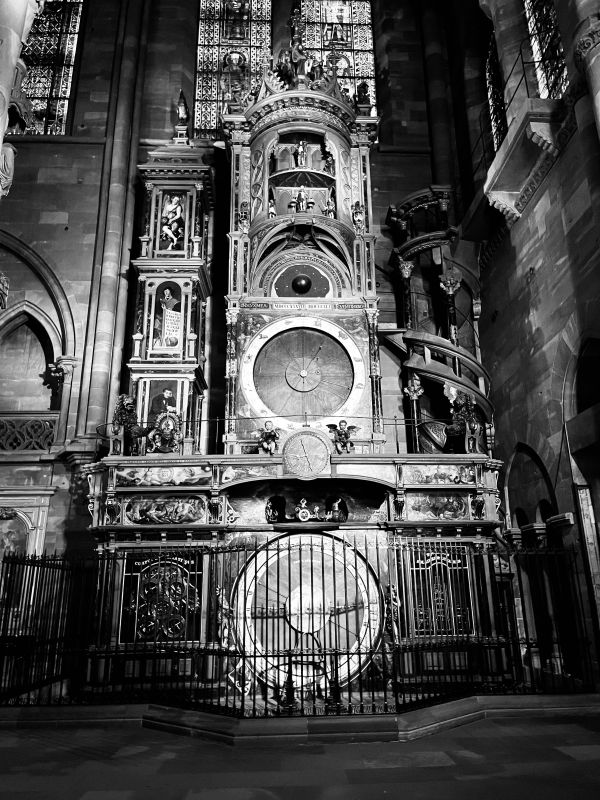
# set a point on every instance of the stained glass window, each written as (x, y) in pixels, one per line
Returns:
(234, 41)
(546, 45)
(340, 31)
(50, 57)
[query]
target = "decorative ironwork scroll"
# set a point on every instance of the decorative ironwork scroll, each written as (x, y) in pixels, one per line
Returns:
(50, 58)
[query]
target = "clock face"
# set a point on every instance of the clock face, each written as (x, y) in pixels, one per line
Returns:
(305, 454)
(303, 372)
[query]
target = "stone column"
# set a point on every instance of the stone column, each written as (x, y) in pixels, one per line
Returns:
(450, 283)
(100, 353)
(587, 59)
(413, 391)
(231, 370)
(375, 370)
(406, 268)
(436, 75)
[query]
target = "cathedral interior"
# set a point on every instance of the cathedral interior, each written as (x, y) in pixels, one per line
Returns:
(300, 340)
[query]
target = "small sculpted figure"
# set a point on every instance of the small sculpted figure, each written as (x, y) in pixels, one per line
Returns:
(268, 438)
(341, 435)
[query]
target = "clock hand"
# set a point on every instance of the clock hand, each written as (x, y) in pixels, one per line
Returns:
(306, 454)
(314, 357)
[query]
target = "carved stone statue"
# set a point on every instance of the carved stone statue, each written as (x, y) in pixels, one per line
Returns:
(300, 153)
(34, 7)
(7, 168)
(301, 199)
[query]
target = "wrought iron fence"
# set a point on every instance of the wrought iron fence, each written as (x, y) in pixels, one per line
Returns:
(304, 624)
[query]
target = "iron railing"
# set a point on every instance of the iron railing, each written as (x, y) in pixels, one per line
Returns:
(543, 75)
(308, 623)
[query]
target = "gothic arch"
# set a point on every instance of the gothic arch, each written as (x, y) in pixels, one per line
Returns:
(543, 496)
(22, 312)
(52, 284)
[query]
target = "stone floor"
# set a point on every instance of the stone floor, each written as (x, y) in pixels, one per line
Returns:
(512, 759)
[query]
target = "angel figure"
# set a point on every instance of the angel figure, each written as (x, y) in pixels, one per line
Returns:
(268, 438)
(341, 434)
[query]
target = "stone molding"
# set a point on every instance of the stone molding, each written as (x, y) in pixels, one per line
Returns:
(587, 42)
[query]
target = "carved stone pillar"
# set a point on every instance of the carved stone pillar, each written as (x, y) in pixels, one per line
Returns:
(406, 268)
(413, 391)
(450, 283)
(375, 371)
(436, 71)
(587, 59)
(231, 370)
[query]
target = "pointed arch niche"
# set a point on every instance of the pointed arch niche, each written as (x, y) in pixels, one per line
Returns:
(530, 497)
(37, 342)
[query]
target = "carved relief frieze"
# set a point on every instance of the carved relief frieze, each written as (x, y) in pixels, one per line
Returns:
(418, 474)
(164, 510)
(442, 507)
(163, 476)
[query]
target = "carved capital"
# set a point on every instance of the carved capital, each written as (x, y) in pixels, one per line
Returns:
(406, 268)
(587, 42)
(450, 281)
(414, 390)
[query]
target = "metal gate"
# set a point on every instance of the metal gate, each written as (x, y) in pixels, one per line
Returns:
(305, 623)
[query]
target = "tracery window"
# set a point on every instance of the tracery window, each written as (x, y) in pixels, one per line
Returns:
(234, 41)
(340, 31)
(50, 58)
(547, 49)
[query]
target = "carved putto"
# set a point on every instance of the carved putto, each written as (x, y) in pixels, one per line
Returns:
(341, 435)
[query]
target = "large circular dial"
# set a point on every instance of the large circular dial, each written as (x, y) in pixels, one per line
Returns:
(307, 611)
(303, 372)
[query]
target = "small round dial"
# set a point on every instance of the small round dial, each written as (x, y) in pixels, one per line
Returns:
(305, 454)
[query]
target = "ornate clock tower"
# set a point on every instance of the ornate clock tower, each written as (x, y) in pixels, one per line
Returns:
(302, 347)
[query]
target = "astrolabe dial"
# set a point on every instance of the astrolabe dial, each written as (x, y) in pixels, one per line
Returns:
(303, 372)
(308, 611)
(305, 454)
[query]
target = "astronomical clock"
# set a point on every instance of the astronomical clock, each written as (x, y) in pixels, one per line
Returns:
(302, 347)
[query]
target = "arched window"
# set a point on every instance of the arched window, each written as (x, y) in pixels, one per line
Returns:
(50, 58)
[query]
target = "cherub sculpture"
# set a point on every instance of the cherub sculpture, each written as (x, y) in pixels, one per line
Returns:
(341, 435)
(268, 438)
